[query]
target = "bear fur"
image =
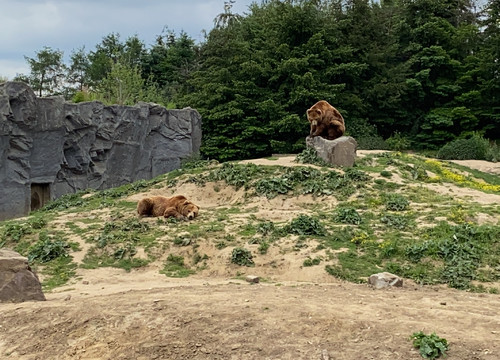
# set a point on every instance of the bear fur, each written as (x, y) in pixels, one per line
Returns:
(177, 206)
(325, 121)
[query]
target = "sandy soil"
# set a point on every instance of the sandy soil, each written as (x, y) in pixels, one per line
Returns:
(295, 313)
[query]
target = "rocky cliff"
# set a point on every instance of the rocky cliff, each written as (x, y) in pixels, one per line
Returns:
(49, 147)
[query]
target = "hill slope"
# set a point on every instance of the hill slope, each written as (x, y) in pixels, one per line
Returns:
(183, 296)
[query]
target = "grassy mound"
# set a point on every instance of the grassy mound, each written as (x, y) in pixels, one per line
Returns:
(384, 214)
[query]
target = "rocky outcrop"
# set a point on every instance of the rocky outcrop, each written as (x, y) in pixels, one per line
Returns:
(338, 152)
(17, 282)
(49, 147)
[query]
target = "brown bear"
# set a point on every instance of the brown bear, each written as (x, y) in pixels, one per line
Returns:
(326, 121)
(177, 206)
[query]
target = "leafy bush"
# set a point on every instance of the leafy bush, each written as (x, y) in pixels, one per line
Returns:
(195, 162)
(46, 249)
(235, 174)
(430, 346)
(306, 225)
(396, 221)
(266, 228)
(493, 153)
(270, 188)
(242, 257)
(474, 148)
(66, 201)
(396, 202)
(371, 143)
(356, 175)
(348, 216)
(15, 230)
(397, 142)
(263, 247)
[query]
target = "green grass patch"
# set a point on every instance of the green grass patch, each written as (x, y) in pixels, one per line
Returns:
(174, 267)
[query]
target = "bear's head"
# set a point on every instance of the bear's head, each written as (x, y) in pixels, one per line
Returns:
(189, 210)
(314, 115)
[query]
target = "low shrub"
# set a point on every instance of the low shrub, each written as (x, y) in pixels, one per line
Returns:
(430, 346)
(398, 142)
(474, 148)
(348, 216)
(396, 202)
(242, 257)
(305, 225)
(47, 249)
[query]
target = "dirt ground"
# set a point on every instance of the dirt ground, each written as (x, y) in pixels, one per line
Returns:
(296, 313)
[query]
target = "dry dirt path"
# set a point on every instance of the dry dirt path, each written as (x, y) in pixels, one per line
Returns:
(160, 318)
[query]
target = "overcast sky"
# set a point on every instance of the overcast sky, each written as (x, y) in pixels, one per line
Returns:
(26, 26)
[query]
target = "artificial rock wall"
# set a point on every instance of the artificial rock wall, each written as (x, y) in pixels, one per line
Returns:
(49, 147)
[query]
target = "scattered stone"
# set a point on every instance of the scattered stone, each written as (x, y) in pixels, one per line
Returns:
(252, 279)
(442, 303)
(338, 152)
(324, 355)
(67, 298)
(18, 282)
(85, 282)
(385, 279)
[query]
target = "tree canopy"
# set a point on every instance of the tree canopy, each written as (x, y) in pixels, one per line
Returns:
(426, 71)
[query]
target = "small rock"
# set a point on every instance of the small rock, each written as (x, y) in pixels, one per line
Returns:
(442, 303)
(252, 279)
(385, 279)
(67, 298)
(85, 282)
(324, 355)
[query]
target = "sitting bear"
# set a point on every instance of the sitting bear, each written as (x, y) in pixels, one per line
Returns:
(177, 206)
(326, 121)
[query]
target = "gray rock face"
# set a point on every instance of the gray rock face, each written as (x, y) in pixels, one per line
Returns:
(49, 147)
(338, 152)
(385, 279)
(17, 282)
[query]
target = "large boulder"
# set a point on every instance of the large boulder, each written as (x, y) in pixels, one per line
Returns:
(17, 282)
(338, 152)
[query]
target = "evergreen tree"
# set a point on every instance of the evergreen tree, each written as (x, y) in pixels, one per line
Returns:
(429, 31)
(170, 63)
(488, 73)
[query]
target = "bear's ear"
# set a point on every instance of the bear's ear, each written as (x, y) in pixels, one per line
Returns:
(318, 111)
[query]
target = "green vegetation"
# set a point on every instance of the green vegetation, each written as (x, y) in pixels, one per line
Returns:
(254, 75)
(242, 257)
(347, 215)
(476, 147)
(311, 262)
(430, 346)
(305, 225)
(351, 225)
(174, 267)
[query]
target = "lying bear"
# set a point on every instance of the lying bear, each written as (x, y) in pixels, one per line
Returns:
(177, 206)
(325, 121)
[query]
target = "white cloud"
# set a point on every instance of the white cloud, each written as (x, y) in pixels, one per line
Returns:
(10, 68)
(29, 25)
